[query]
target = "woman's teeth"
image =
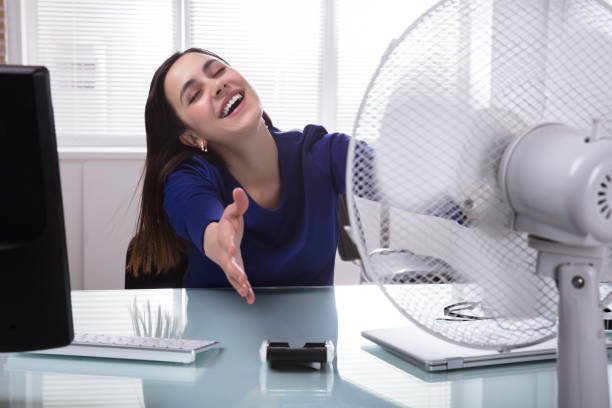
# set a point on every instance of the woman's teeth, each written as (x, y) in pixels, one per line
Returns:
(232, 104)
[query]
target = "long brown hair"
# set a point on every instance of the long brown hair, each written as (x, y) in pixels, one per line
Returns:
(156, 245)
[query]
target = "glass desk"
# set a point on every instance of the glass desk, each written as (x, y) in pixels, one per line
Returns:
(362, 375)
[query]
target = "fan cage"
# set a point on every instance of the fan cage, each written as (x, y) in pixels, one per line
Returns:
(425, 208)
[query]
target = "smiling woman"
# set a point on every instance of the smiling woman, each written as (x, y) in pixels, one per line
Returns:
(246, 202)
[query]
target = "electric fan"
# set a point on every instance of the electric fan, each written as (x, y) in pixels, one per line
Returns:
(479, 182)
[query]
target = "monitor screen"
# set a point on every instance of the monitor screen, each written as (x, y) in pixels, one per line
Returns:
(34, 280)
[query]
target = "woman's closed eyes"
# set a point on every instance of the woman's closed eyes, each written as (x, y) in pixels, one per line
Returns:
(219, 72)
(196, 94)
(194, 97)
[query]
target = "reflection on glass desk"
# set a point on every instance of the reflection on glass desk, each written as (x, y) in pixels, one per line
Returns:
(362, 375)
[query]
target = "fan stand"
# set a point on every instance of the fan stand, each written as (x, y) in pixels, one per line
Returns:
(582, 357)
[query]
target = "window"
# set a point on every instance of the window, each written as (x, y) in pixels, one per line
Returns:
(281, 57)
(101, 56)
(310, 62)
(363, 34)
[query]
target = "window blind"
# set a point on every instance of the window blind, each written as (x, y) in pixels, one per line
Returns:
(2, 32)
(276, 45)
(101, 57)
(364, 32)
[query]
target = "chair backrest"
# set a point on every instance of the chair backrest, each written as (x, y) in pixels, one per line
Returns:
(154, 280)
(346, 248)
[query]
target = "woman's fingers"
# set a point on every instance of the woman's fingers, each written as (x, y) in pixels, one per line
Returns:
(222, 244)
(250, 296)
(238, 279)
(237, 209)
(240, 288)
(241, 200)
(232, 218)
(235, 271)
(230, 235)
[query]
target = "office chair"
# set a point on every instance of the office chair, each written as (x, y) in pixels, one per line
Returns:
(346, 247)
(441, 273)
(171, 279)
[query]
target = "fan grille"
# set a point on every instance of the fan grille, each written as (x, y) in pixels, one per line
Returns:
(422, 191)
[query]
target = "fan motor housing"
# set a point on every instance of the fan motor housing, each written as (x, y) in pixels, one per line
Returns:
(558, 181)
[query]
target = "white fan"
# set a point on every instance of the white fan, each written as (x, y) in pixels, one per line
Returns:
(482, 160)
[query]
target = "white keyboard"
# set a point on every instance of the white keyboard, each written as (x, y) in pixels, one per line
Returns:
(132, 347)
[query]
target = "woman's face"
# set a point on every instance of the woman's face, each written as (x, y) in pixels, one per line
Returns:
(213, 100)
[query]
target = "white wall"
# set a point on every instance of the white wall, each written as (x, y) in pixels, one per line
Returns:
(100, 191)
(100, 209)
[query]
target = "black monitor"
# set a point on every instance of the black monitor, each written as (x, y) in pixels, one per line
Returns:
(35, 308)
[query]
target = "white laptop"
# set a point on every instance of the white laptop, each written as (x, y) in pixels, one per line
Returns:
(430, 353)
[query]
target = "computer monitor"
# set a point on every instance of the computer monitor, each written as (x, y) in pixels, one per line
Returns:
(35, 308)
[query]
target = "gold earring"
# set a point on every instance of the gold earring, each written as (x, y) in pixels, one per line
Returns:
(203, 148)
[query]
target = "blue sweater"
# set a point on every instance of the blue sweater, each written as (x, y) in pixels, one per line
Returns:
(293, 245)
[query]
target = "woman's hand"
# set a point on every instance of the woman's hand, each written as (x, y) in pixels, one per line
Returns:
(222, 244)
